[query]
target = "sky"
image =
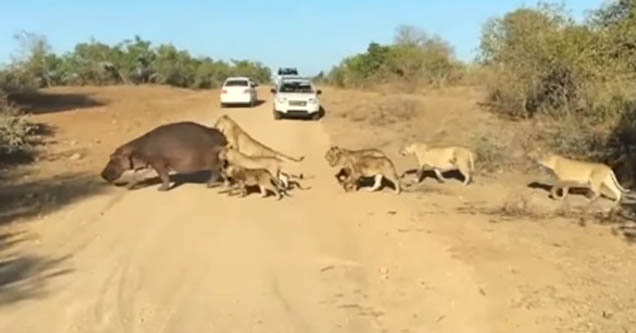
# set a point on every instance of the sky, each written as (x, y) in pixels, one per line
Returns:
(309, 35)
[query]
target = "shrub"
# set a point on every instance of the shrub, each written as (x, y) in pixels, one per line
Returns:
(131, 61)
(578, 78)
(14, 128)
(413, 59)
(491, 152)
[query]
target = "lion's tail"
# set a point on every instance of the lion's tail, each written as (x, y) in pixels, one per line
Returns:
(471, 160)
(295, 159)
(298, 176)
(618, 185)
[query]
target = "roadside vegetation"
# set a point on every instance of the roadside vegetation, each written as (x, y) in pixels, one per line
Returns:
(133, 61)
(14, 129)
(413, 60)
(576, 80)
(571, 84)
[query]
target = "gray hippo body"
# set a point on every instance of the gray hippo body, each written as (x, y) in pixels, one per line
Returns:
(183, 147)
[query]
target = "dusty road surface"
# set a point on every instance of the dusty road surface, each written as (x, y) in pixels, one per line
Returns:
(192, 260)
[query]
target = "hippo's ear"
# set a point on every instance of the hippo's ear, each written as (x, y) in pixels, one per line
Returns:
(129, 160)
(124, 158)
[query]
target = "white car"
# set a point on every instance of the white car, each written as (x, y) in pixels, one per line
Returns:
(238, 90)
(284, 73)
(298, 98)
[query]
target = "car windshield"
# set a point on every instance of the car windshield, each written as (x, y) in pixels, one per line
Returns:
(296, 87)
(287, 71)
(236, 83)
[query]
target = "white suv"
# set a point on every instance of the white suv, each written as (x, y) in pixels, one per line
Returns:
(284, 73)
(238, 90)
(296, 97)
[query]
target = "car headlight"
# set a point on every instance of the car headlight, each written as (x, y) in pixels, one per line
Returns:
(281, 99)
(313, 101)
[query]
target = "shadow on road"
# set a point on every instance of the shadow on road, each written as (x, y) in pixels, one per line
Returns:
(256, 104)
(26, 276)
(200, 177)
(47, 102)
(22, 200)
(452, 174)
(303, 117)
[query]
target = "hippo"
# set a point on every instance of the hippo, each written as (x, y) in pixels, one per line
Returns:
(182, 147)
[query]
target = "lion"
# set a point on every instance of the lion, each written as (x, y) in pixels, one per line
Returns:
(360, 165)
(358, 153)
(573, 173)
(441, 159)
(344, 174)
(244, 143)
(244, 177)
(272, 164)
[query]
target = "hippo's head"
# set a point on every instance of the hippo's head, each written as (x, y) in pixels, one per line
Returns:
(119, 162)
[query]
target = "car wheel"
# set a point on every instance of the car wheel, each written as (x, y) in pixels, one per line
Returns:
(222, 105)
(277, 115)
(315, 116)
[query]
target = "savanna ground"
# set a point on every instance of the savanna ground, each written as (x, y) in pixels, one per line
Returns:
(78, 255)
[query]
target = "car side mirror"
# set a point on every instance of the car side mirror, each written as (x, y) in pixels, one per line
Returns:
(318, 92)
(273, 90)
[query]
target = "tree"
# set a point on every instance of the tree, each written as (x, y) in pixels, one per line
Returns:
(35, 58)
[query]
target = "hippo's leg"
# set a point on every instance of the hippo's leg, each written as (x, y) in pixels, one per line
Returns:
(164, 175)
(215, 176)
(133, 181)
(216, 171)
(212, 182)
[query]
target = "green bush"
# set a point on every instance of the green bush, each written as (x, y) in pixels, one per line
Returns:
(413, 59)
(131, 61)
(94, 63)
(577, 77)
(14, 128)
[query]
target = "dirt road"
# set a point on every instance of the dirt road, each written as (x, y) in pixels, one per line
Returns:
(192, 260)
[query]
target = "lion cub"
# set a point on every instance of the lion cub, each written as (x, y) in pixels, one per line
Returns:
(244, 177)
(572, 173)
(356, 153)
(344, 174)
(441, 159)
(361, 165)
(272, 164)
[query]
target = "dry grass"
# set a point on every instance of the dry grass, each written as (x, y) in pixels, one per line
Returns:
(394, 111)
(518, 205)
(574, 78)
(14, 128)
(524, 206)
(492, 152)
